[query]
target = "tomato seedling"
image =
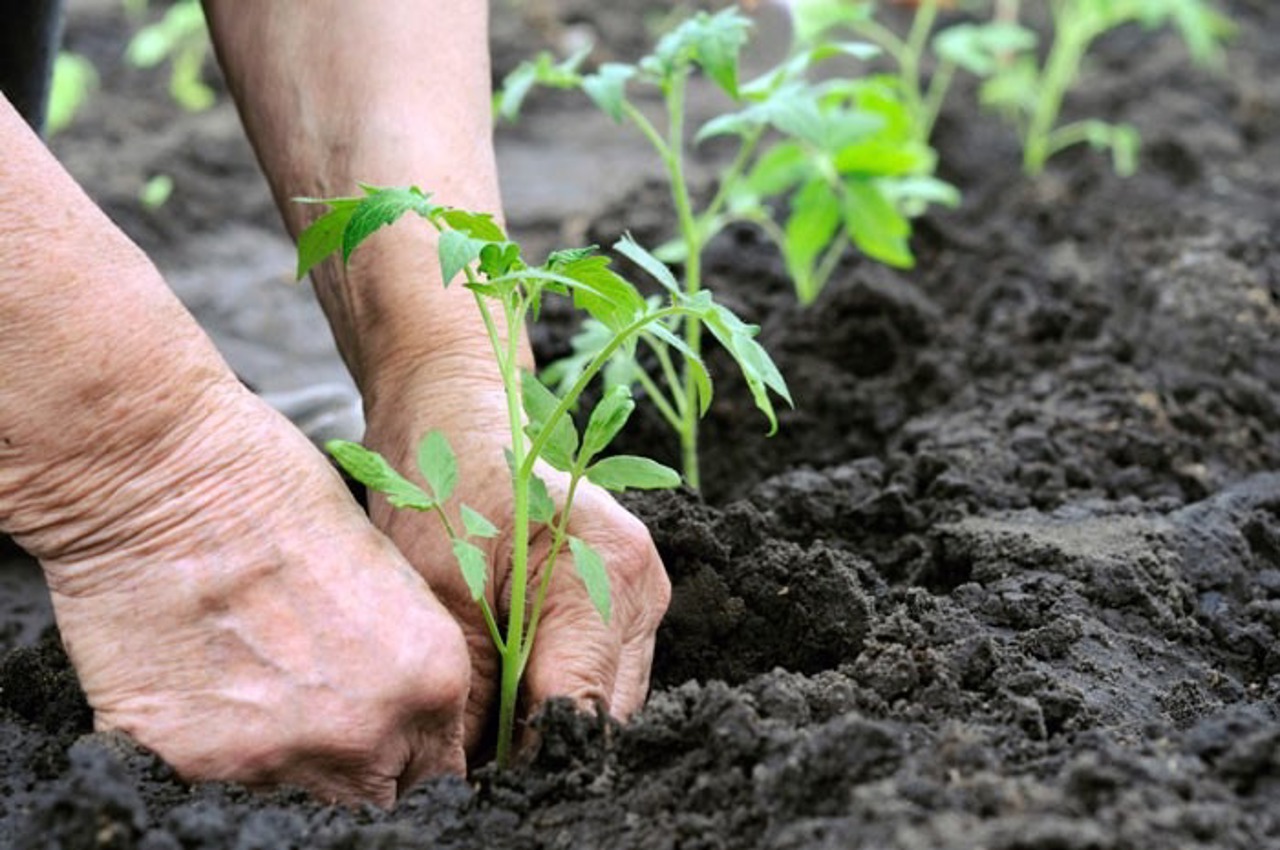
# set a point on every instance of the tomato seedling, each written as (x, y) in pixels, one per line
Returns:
(839, 154)
(1031, 93)
(475, 249)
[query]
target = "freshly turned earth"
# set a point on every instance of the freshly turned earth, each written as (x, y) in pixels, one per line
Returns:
(1008, 576)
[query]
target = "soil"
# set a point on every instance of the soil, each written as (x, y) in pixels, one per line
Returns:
(1007, 577)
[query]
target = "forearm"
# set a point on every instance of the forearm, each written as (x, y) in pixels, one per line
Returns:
(99, 360)
(334, 94)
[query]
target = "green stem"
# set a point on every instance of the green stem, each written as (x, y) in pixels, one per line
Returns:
(916, 42)
(689, 232)
(1069, 45)
(938, 88)
(669, 374)
(519, 576)
(597, 363)
(557, 544)
(826, 267)
(659, 400)
(730, 175)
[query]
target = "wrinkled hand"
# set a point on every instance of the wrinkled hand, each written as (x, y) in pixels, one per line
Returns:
(575, 653)
(231, 608)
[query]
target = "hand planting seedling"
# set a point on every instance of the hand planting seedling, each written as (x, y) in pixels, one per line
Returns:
(542, 430)
(840, 154)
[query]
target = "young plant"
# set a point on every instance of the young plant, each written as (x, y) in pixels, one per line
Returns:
(1031, 93)
(838, 154)
(474, 248)
(181, 37)
(975, 47)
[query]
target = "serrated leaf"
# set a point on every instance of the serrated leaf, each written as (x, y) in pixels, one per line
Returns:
(515, 88)
(474, 566)
(604, 294)
(718, 46)
(608, 418)
(457, 250)
(539, 404)
(438, 464)
(813, 223)
(758, 369)
(324, 235)
(541, 508)
(608, 88)
(590, 568)
(498, 258)
(980, 48)
(692, 363)
(372, 470)
(781, 167)
(629, 472)
(876, 227)
(380, 208)
(477, 225)
(476, 524)
(811, 18)
(633, 251)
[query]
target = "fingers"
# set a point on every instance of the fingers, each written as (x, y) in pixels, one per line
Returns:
(576, 654)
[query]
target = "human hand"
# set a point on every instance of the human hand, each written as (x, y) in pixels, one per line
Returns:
(233, 610)
(575, 653)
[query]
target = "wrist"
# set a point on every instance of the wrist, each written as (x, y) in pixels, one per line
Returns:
(397, 324)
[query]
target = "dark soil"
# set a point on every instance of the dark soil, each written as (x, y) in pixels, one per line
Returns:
(1008, 576)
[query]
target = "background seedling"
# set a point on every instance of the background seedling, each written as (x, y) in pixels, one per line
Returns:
(182, 38)
(841, 155)
(1031, 93)
(473, 248)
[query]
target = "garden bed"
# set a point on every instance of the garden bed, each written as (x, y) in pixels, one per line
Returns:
(1008, 576)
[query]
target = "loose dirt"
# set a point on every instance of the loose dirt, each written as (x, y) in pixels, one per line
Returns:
(1008, 576)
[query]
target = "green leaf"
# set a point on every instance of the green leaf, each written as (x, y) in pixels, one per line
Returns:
(632, 250)
(595, 577)
(608, 88)
(542, 70)
(884, 157)
(372, 470)
(499, 258)
(810, 19)
(781, 167)
(629, 472)
(74, 77)
(813, 223)
(758, 369)
(913, 195)
(541, 508)
(381, 208)
(876, 227)
(477, 225)
(324, 235)
(476, 524)
(693, 363)
(981, 48)
(474, 566)
(713, 42)
(539, 404)
(515, 88)
(718, 47)
(457, 251)
(586, 344)
(608, 418)
(604, 294)
(438, 464)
